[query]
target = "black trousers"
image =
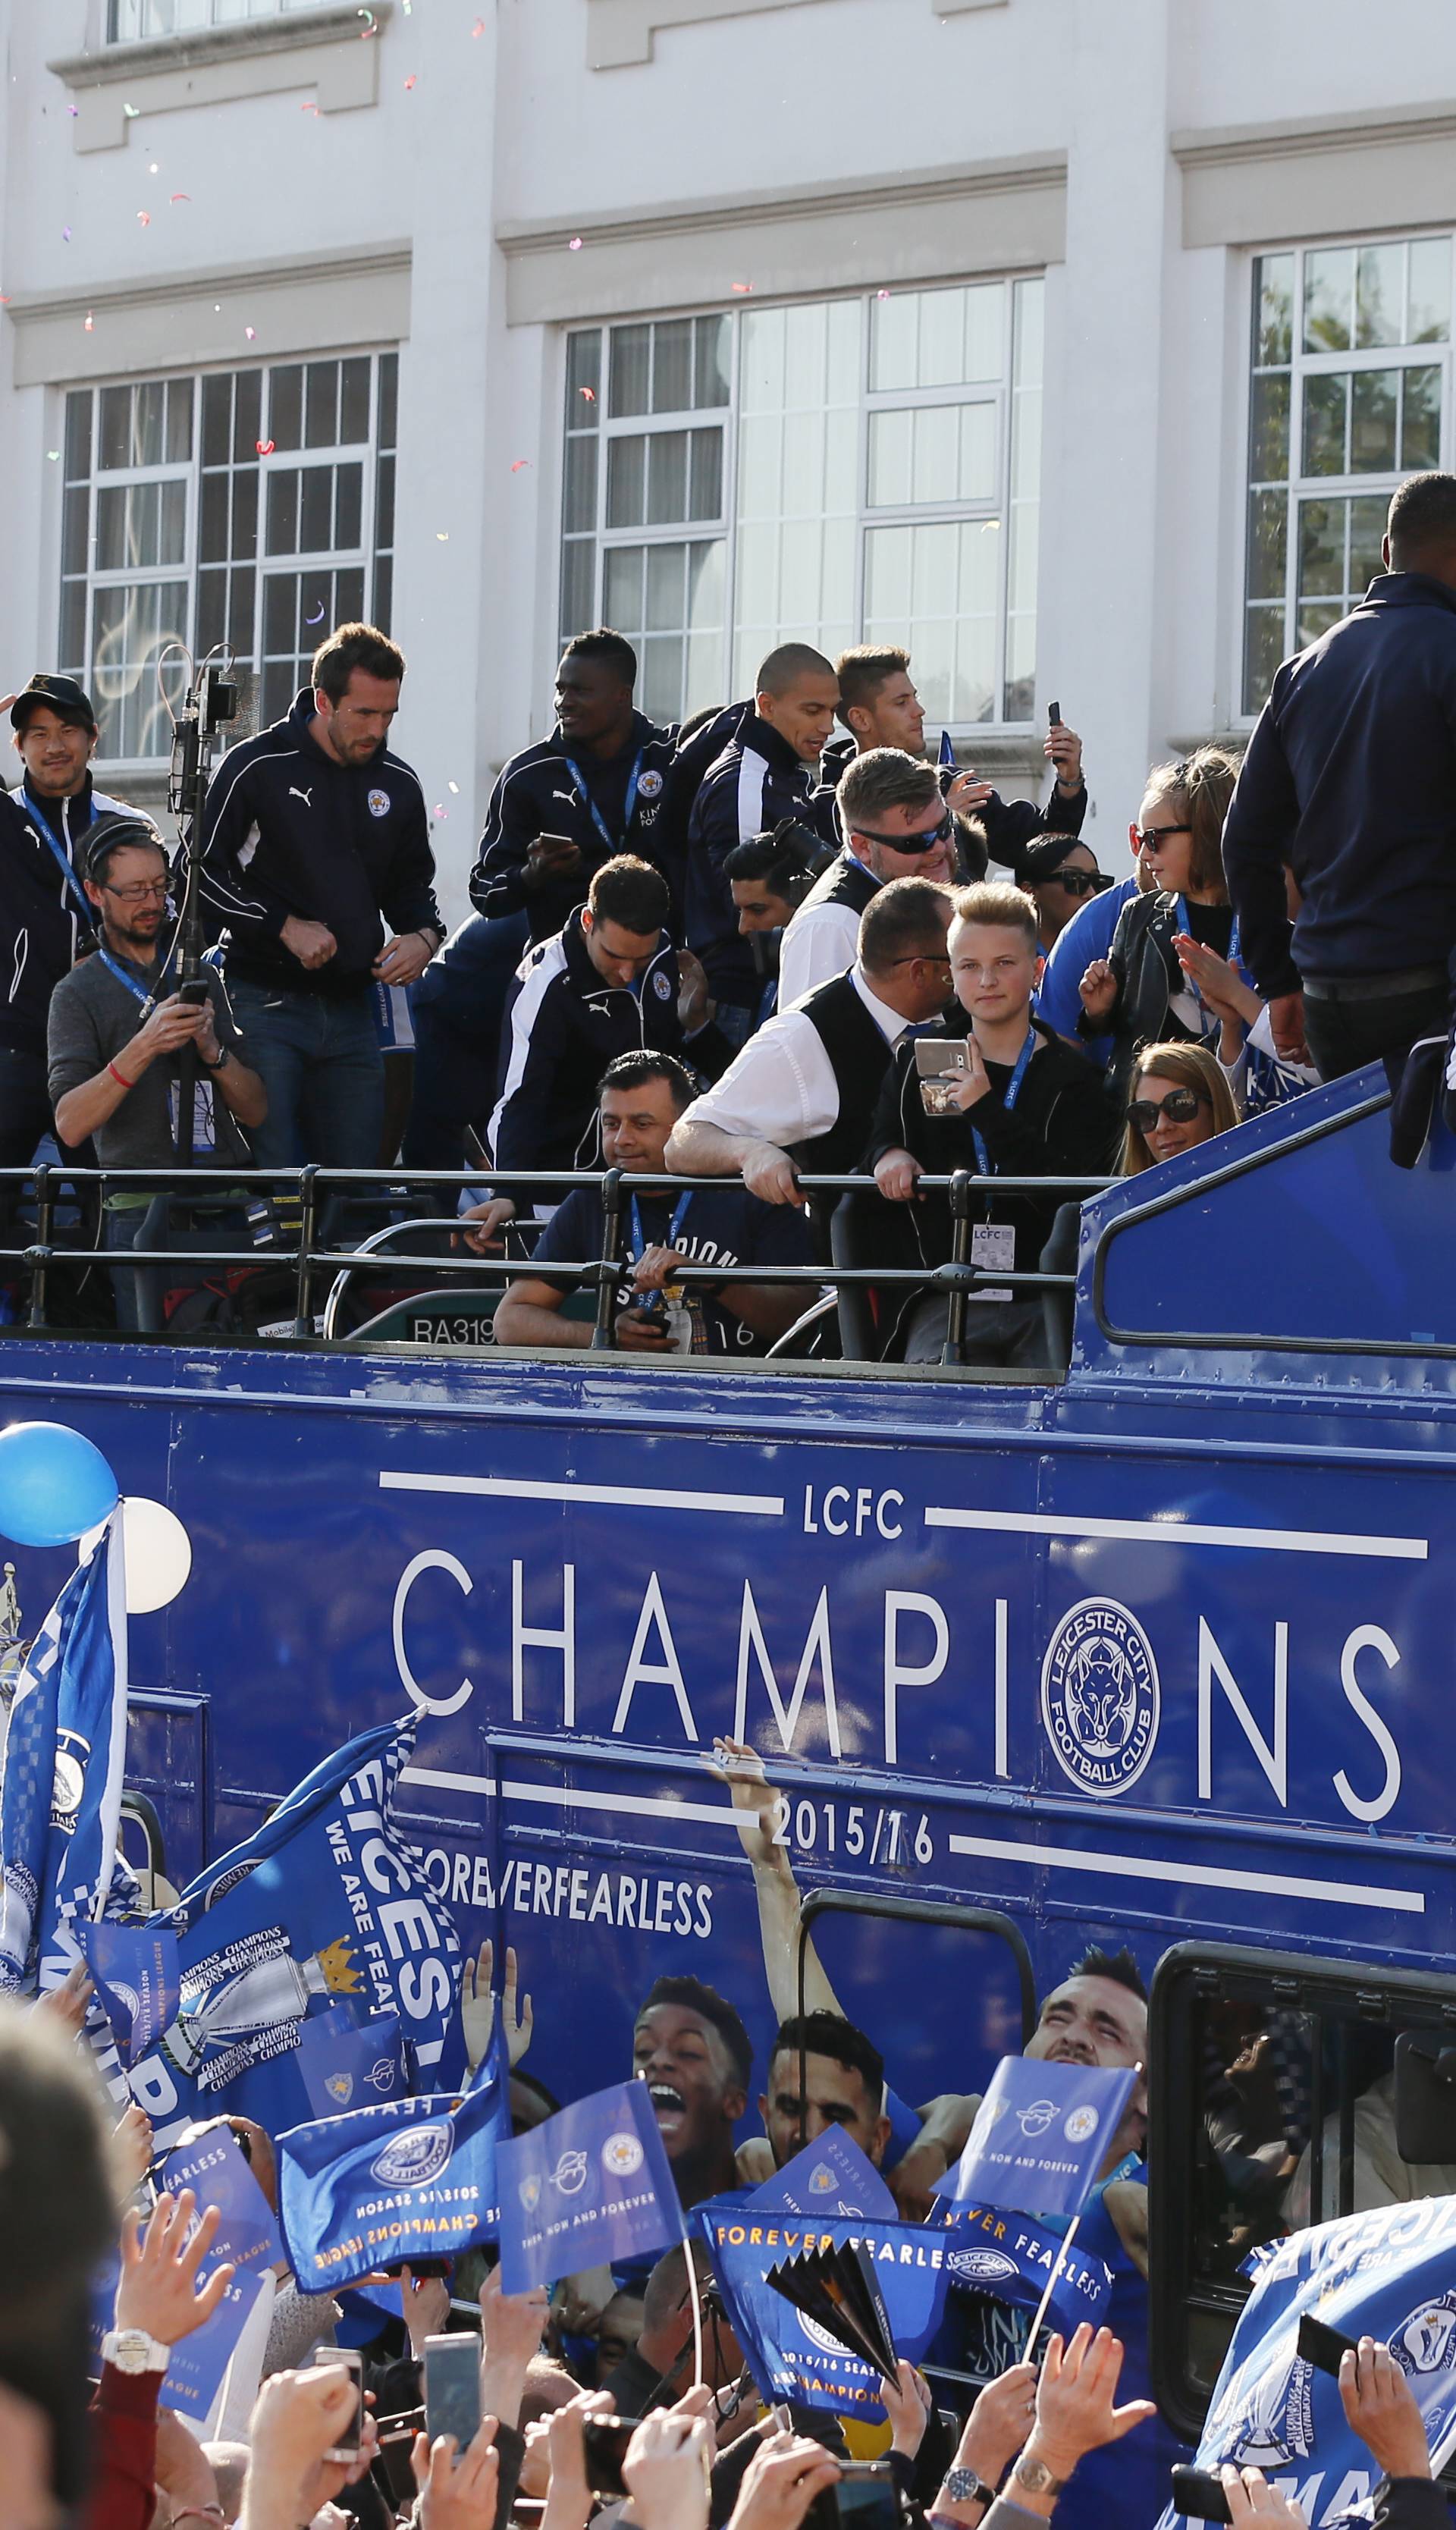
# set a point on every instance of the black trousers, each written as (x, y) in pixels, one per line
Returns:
(1342, 1036)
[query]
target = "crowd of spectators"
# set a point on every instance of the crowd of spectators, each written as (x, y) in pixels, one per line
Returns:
(861, 958)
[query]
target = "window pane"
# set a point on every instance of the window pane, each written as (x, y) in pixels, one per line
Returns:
(1326, 407)
(132, 626)
(283, 512)
(1313, 621)
(384, 594)
(242, 599)
(710, 362)
(1321, 548)
(244, 514)
(666, 478)
(348, 509)
(1366, 528)
(1268, 434)
(78, 435)
(383, 504)
(248, 414)
(1264, 648)
(286, 408)
(621, 594)
(1429, 286)
(212, 529)
(705, 586)
(280, 612)
(1273, 301)
(354, 402)
(583, 379)
(631, 356)
(73, 631)
(75, 516)
(578, 587)
(1329, 287)
(217, 422)
(1379, 286)
(890, 462)
(627, 480)
(665, 568)
(148, 416)
(389, 401)
(1373, 421)
(893, 333)
(115, 438)
(938, 338)
(1420, 419)
(212, 608)
(179, 421)
(579, 491)
(321, 404)
(705, 500)
(316, 509)
(661, 677)
(671, 365)
(1268, 530)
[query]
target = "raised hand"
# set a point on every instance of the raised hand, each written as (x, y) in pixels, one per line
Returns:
(159, 2290)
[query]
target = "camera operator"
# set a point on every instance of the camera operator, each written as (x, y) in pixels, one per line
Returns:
(46, 922)
(895, 826)
(312, 832)
(769, 877)
(114, 1045)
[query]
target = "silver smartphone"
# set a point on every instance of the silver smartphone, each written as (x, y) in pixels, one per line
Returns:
(345, 2358)
(453, 2389)
(941, 1061)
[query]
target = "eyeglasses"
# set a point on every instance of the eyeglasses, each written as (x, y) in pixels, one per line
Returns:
(138, 893)
(924, 957)
(1148, 838)
(1077, 882)
(1179, 1107)
(922, 842)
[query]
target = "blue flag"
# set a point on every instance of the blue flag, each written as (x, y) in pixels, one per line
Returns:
(136, 1974)
(790, 2355)
(1009, 2258)
(947, 751)
(829, 2177)
(1386, 2275)
(590, 2187)
(1041, 2135)
(346, 2061)
(326, 1901)
(195, 2372)
(247, 2237)
(410, 2179)
(60, 1800)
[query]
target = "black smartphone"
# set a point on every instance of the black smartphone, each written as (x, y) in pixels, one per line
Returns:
(345, 2358)
(452, 2389)
(395, 2443)
(195, 993)
(1053, 714)
(1200, 2496)
(605, 2440)
(1322, 2346)
(866, 2498)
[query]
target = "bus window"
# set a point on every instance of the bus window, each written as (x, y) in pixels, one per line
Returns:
(1271, 2107)
(943, 2002)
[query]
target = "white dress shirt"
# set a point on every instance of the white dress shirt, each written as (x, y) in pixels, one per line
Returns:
(781, 1086)
(821, 941)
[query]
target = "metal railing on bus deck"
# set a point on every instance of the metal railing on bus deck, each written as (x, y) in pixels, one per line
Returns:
(322, 1194)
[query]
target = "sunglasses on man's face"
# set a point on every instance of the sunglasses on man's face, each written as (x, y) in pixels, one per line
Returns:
(921, 843)
(1179, 1107)
(1079, 882)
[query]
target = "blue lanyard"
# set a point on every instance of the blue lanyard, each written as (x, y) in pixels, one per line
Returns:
(139, 991)
(612, 842)
(638, 1242)
(63, 858)
(1013, 1092)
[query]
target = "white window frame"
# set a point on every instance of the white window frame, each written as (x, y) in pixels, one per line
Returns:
(1300, 487)
(365, 556)
(997, 394)
(145, 33)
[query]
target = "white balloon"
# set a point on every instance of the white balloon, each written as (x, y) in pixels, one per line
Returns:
(158, 1552)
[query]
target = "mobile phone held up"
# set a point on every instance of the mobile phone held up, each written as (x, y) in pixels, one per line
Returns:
(1322, 2346)
(453, 2389)
(865, 2499)
(605, 2440)
(345, 2358)
(196, 994)
(1200, 2496)
(1053, 714)
(940, 1062)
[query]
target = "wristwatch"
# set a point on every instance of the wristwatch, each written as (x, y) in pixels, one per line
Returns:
(131, 2350)
(963, 2485)
(1036, 2476)
(225, 1057)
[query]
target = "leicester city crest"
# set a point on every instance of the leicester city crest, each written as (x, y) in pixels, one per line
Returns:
(1099, 1697)
(529, 2192)
(409, 2160)
(339, 2087)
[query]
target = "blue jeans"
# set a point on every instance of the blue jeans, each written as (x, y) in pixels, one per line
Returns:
(458, 1006)
(318, 1058)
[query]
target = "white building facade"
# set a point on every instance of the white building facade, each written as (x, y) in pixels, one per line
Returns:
(1078, 344)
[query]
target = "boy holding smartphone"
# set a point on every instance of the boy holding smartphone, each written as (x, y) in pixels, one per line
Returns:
(1001, 1097)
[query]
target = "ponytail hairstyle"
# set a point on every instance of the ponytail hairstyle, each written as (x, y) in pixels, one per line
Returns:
(1201, 787)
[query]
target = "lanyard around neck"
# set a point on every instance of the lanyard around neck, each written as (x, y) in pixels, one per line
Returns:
(638, 1240)
(613, 841)
(1013, 1092)
(139, 992)
(63, 858)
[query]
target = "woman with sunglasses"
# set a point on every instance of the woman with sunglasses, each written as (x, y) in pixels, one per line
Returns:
(1179, 1098)
(1059, 873)
(1140, 990)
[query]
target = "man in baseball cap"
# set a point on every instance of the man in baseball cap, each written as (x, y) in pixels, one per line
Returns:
(45, 920)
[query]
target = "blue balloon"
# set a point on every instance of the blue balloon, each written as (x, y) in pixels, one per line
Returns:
(54, 1484)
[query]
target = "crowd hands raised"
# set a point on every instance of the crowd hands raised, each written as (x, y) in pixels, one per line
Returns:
(774, 942)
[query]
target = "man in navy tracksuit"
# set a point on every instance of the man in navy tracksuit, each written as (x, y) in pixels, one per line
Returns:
(45, 920)
(1350, 780)
(610, 982)
(764, 774)
(312, 832)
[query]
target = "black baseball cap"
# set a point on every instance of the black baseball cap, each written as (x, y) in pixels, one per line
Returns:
(60, 694)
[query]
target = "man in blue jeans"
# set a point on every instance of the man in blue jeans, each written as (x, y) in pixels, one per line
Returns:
(315, 838)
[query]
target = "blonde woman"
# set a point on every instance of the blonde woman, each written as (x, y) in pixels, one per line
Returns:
(1140, 991)
(1178, 1097)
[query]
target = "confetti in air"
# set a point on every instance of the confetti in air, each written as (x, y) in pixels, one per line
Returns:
(131, 112)
(264, 447)
(741, 288)
(882, 294)
(318, 616)
(54, 454)
(441, 535)
(180, 198)
(518, 462)
(480, 27)
(309, 108)
(370, 29)
(453, 788)
(90, 323)
(410, 83)
(144, 219)
(252, 332)
(154, 169)
(441, 812)
(589, 394)
(573, 244)
(66, 235)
